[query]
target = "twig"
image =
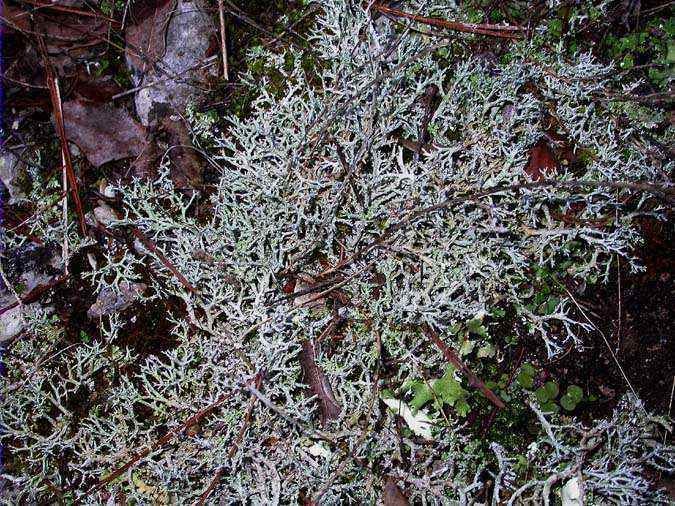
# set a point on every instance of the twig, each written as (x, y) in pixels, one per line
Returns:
(235, 444)
(214, 482)
(71, 10)
(604, 338)
(64, 250)
(34, 294)
(165, 261)
(160, 442)
(223, 40)
(484, 29)
(52, 83)
(452, 357)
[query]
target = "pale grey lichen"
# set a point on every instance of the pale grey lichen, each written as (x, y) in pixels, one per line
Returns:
(319, 170)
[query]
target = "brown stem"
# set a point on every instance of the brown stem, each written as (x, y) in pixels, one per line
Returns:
(489, 30)
(160, 442)
(61, 131)
(452, 357)
(152, 247)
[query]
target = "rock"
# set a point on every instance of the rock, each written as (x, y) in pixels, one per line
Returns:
(186, 45)
(571, 493)
(12, 321)
(109, 302)
(104, 214)
(10, 171)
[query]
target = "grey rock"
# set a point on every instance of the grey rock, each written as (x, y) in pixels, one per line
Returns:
(10, 170)
(187, 43)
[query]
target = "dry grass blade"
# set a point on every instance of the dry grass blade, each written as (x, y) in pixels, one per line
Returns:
(61, 131)
(223, 40)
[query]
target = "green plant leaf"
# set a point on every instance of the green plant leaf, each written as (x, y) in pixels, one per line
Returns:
(542, 395)
(475, 326)
(550, 407)
(525, 380)
(568, 402)
(422, 394)
(575, 392)
(528, 369)
(448, 389)
(462, 408)
(552, 389)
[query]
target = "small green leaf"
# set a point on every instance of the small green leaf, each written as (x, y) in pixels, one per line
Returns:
(525, 380)
(568, 402)
(422, 394)
(486, 351)
(552, 389)
(466, 347)
(462, 408)
(542, 395)
(575, 392)
(475, 326)
(550, 407)
(529, 369)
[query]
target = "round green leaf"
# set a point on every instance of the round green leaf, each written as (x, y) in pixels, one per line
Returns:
(525, 380)
(528, 369)
(542, 395)
(551, 389)
(575, 392)
(568, 402)
(550, 407)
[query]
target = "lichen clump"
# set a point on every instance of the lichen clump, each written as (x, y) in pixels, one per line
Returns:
(334, 210)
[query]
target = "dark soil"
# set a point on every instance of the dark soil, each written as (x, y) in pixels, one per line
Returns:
(635, 313)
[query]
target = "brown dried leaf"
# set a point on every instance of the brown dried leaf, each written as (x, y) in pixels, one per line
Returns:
(317, 381)
(392, 495)
(542, 160)
(146, 38)
(102, 132)
(186, 170)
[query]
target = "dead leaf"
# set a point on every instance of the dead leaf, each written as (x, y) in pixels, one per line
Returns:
(542, 161)
(392, 495)
(317, 381)
(103, 132)
(146, 38)
(186, 170)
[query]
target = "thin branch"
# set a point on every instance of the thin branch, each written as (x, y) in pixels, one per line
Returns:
(61, 131)
(452, 357)
(162, 258)
(194, 419)
(223, 40)
(504, 32)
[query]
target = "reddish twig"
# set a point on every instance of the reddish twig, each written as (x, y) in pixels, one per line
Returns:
(71, 10)
(152, 247)
(483, 29)
(61, 131)
(508, 383)
(35, 293)
(318, 383)
(235, 445)
(214, 482)
(194, 419)
(452, 357)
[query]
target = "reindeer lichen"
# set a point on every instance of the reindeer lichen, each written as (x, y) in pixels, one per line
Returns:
(331, 184)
